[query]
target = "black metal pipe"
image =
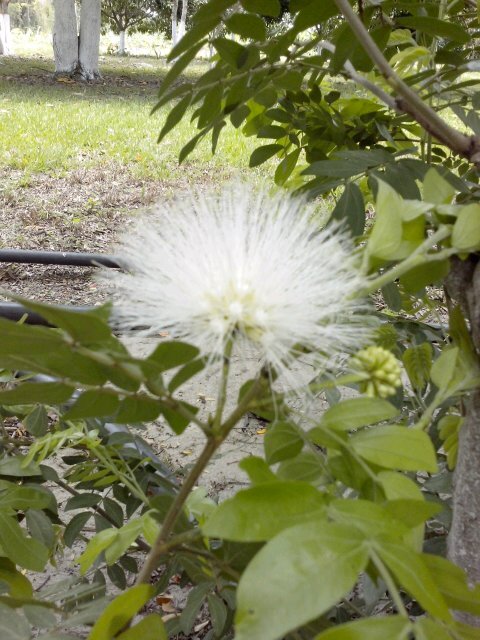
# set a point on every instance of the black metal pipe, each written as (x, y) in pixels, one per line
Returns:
(14, 311)
(69, 258)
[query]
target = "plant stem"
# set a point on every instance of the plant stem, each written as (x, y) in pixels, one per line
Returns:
(409, 101)
(222, 391)
(387, 578)
(160, 545)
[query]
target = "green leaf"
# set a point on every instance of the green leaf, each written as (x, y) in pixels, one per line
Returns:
(395, 447)
(14, 627)
(387, 628)
(392, 296)
(257, 470)
(120, 611)
(436, 189)
(386, 236)
(313, 14)
(188, 371)
(174, 116)
(358, 412)
(40, 617)
(270, 8)
(309, 568)
(247, 25)
(84, 326)
(427, 274)
(195, 600)
(282, 441)
(435, 27)
(306, 467)
(286, 166)
(36, 422)
(139, 408)
(180, 64)
(443, 369)
(75, 526)
(413, 575)
(231, 52)
(14, 466)
(370, 518)
(82, 500)
(94, 548)
(260, 512)
(176, 421)
(262, 154)
(40, 527)
(42, 350)
(93, 404)
(169, 355)
(22, 497)
(26, 552)
(34, 392)
(149, 628)
(466, 230)
(426, 628)
(125, 537)
(19, 586)
(351, 209)
(417, 361)
(218, 613)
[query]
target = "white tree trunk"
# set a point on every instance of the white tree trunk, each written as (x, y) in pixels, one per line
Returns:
(121, 43)
(183, 19)
(174, 22)
(89, 41)
(5, 38)
(65, 38)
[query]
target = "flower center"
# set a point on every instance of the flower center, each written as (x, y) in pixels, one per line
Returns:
(236, 308)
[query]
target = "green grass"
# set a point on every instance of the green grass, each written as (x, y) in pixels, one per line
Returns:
(54, 127)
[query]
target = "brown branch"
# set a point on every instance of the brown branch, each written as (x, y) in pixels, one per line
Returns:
(408, 101)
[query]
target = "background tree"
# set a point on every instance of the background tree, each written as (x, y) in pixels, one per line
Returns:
(122, 15)
(5, 37)
(76, 51)
(31, 15)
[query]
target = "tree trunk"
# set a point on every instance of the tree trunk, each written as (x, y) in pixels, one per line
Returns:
(121, 43)
(65, 38)
(174, 22)
(89, 40)
(183, 19)
(463, 285)
(5, 39)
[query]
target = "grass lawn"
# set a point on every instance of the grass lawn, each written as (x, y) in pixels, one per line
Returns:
(49, 126)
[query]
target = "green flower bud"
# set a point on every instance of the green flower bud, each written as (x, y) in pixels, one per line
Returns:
(381, 371)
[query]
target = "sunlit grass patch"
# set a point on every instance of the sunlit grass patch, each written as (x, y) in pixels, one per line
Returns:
(50, 126)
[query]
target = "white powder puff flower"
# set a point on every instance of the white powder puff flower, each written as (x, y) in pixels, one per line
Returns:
(244, 265)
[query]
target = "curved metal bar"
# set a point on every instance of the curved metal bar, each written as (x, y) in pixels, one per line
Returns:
(69, 258)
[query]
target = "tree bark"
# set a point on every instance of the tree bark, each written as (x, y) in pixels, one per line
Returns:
(463, 285)
(174, 22)
(65, 38)
(89, 40)
(121, 43)
(183, 20)
(5, 38)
